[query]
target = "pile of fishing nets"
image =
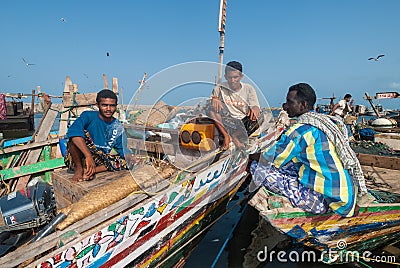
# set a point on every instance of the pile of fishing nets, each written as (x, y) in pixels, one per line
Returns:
(370, 147)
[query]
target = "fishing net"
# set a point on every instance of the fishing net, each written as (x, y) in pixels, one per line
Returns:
(159, 113)
(385, 197)
(370, 147)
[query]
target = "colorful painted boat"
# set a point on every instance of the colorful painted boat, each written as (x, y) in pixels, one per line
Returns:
(339, 239)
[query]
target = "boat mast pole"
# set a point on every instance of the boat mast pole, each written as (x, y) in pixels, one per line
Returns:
(369, 98)
(221, 30)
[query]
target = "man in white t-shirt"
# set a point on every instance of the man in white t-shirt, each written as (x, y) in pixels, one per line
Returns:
(342, 108)
(236, 100)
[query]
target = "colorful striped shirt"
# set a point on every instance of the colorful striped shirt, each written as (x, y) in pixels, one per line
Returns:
(318, 165)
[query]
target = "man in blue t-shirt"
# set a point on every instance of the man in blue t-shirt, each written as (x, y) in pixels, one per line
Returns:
(96, 137)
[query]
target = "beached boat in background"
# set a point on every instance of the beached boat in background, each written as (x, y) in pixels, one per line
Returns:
(340, 239)
(18, 122)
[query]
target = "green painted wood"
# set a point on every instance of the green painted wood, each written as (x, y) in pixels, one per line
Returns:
(46, 156)
(31, 169)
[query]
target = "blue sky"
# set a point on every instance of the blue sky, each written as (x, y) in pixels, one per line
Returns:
(325, 43)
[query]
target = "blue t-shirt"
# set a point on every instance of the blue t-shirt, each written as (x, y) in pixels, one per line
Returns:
(105, 136)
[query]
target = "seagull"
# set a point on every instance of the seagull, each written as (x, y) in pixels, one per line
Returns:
(86, 75)
(377, 58)
(63, 20)
(27, 64)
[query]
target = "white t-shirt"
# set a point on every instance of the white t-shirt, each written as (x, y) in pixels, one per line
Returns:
(238, 102)
(342, 105)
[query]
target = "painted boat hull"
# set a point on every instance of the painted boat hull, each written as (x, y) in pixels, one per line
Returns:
(375, 225)
(156, 227)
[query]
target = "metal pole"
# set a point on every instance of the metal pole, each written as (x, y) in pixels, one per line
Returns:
(221, 30)
(372, 104)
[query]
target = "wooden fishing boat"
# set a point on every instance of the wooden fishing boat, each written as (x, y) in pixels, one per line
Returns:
(18, 121)
(340, 239)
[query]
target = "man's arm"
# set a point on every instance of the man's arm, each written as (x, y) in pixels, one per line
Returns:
(334, 108)
(254, 105)
(215, 99)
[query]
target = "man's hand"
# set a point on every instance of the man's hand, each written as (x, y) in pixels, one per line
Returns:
(90, 167)
(216, 104)
(254, 113)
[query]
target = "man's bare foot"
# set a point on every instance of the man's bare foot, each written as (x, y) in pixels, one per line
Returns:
(78, 176)
(85, 178)
(238, 143)
(226, 143)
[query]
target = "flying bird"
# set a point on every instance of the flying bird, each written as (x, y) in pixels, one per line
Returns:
(86, 75)
(27, 64)
(63, 20)
(108, 54)
(377, 58)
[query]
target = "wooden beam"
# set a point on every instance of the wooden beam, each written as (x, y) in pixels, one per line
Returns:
(115, 85)
(105, 81)
(28, 146)
(151, 146)
(379, 161)
(86, 99)
(155, 129)
(65, 114)
(28, 170)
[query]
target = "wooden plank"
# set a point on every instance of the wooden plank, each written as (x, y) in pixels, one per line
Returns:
(31, 169)
(151, 146)
(42, 135)
(28, 146)
(19, 141)
(85, 99)
(115, 90)
(379, 161)
(105, 81)
(65, 114)
(115, 85)
(154, 129)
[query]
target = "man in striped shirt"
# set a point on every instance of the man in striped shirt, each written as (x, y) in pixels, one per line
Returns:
(310, 163)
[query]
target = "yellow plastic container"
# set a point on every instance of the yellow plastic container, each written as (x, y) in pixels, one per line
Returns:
(197, 136)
